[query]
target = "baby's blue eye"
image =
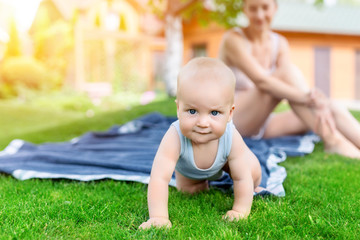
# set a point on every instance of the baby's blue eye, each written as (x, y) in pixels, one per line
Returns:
(192, 111)
(214, 113)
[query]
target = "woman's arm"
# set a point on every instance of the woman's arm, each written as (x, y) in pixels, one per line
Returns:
(319, 102)
(234, 51)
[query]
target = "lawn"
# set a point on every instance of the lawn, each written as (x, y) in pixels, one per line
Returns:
(321, 202)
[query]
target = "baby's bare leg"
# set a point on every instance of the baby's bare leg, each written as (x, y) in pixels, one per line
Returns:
(185, 184)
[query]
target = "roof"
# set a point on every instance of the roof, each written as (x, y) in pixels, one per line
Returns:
(302, 17)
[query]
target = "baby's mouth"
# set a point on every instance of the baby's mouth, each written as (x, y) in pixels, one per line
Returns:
(202, 132)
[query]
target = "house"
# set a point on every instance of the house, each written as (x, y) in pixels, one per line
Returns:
(113, 45)
(324, 42)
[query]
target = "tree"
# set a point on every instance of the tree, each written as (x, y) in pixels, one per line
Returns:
(41, 27)
(173, 11)
(13, 48)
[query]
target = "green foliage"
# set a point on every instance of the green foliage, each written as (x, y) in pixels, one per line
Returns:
(40, 27)
(224, 12)
(21, 73)
(13, 47)
(227, 12)
(53, 44)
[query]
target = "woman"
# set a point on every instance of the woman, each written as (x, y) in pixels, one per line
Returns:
(261, 62)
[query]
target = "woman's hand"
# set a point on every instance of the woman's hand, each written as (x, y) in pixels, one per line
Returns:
(321, 106)
(317, 99)
(157, 222)
(324, 117)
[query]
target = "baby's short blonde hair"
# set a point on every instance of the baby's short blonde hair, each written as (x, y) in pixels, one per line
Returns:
(205, 70)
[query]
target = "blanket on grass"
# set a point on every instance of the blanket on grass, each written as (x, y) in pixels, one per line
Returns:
(126, 153)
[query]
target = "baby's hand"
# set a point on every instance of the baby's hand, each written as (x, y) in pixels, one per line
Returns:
(233, 215)
(156, 222)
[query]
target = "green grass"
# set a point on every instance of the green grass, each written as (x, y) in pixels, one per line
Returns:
(322, 196)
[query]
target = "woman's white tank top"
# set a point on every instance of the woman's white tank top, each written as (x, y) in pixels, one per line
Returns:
(243, 82)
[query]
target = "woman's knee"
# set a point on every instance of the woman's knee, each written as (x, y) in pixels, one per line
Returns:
(335, 107)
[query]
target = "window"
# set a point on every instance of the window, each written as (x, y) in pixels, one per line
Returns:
(199, 50)
(322, 69)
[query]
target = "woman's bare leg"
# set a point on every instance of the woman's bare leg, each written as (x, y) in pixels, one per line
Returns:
(284, 123)
(252, 109)
(346, 123)
(334, 141)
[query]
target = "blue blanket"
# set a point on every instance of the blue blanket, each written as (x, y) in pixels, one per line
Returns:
(126, 153)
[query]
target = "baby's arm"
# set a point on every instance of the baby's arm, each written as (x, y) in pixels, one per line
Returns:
(161, 172)
(241, 163)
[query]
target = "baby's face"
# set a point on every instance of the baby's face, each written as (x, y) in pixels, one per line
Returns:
(204, 109)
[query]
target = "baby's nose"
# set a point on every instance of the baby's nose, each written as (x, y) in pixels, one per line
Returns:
(203, 121)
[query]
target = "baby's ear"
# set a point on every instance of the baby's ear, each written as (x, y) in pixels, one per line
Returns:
(231, 112)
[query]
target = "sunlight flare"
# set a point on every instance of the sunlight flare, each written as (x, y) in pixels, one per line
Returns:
(24, 12)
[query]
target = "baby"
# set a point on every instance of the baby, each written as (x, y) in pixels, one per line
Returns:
(202, 143)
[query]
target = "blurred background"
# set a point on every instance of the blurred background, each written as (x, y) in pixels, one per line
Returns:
(101, 48)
